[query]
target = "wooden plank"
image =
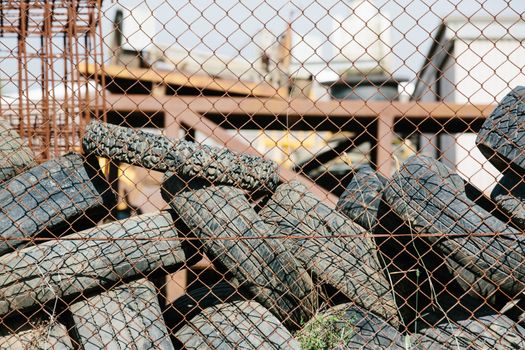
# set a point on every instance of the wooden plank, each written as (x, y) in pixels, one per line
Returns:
(201, 82)
(127, 317)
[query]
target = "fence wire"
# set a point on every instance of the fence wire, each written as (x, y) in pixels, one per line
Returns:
(262, 175)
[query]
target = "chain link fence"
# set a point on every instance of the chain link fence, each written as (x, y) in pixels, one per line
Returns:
(262, 175)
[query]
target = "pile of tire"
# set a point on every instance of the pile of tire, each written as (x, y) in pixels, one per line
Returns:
(456, 258)
(420, 260)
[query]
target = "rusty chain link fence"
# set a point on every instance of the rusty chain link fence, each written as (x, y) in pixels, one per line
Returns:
(280, 174)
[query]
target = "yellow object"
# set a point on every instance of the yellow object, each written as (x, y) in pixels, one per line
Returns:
(282, 147)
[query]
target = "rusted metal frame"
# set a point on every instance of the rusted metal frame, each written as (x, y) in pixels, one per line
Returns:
(47, 80)
(75, 77)
(385, 137)
(25, 28)
(21, 63)
(301, 107)
(68, 108)
(333, 109)
(192, 111)
(97, 26)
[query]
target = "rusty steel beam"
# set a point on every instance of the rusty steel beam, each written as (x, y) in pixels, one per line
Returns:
(299, 107)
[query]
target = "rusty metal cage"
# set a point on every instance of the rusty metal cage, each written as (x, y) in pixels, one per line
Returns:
(344, 174)
(43, 43)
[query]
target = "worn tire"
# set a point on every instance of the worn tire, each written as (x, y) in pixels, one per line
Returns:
(423, 284)
(40, 336)
(15, 155)
(126, 317)
(264, 267)
(236, 325)
(80, 263)
(423, 192)
(358, 328)
(400, 255)
(478, 332)
(187, 159)
(51, 198)
(501, 138)
(361, 199)
(197, 299)
(348, 262)
(509, 194)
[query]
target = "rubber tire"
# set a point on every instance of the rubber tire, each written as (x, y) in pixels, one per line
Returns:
(52, 199)
(15, 155)
(125, 317)
(491, 331)
(188, 159)
(501, 138)
(83, 264)
(509, 194)
(348, 263)
(367, 331)
(430, 197)
(235, 325)
(263, 266)
(420, 278)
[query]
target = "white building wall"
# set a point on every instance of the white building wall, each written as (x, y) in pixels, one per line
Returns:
(486, 70)
(482, 72)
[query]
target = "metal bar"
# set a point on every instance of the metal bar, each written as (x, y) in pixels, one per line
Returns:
(231, 106)
(385, 137)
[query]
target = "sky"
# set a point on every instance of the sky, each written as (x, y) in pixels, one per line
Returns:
(228, 27)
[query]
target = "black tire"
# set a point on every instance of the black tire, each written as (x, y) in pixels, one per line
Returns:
(15, 155)
(509, 194)
(425, 193)
(424, 286)
(37, 336)
(79, 263)
(125, 317)
(355, 327)
(346, 259)
(216, 214)
(187, 159)
(491, 331)
(502, 136)
(361, 199)
(52, 198)
(401, 256)
(236, 325)
(196, 300)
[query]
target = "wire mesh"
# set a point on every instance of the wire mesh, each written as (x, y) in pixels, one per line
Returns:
(262, 175)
